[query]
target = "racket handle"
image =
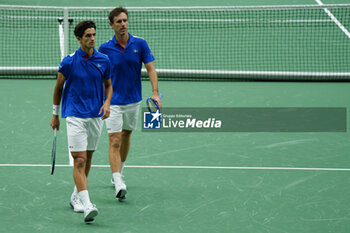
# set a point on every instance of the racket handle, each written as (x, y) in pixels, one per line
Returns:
(55, 132)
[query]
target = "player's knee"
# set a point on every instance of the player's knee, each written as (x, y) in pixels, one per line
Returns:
(79, 162)
(114, 143)
(114, 140)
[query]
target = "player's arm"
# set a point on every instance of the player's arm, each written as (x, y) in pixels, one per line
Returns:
(152, 74)
(108, 96)
(57, 95)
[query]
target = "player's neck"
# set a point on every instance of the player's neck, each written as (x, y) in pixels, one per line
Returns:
(88, 51)
(123, 40)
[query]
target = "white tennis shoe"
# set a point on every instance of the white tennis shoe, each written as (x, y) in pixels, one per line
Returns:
(120, 188)
(112, 181)
(76, 204)
(90, 213)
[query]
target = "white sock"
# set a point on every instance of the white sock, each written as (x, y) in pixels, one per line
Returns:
(85, 199)
(116, 176)
(75, 191)
(123, 163)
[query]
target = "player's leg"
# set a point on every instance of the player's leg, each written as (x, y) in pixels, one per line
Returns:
(125, 144)
(77, 145)
(130, 119)
(80, 179)
(79, 175)
(93, 129)
(130, 114)
(115, 162)
(89, 154)
(114, 151)
(114, 127)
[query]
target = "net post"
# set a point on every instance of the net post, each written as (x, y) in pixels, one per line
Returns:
(65, 31)
(61, 37)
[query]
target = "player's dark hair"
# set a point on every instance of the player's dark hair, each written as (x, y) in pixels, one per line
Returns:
(117, 11)
(82, 26)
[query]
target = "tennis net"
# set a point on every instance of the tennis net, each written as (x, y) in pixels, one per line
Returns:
(308, 42)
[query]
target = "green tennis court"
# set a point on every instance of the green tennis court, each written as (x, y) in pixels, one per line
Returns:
(182, 182)
(237, 181)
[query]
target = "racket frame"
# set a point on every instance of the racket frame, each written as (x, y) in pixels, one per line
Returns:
(154, 101)
(53, 153)
(149, 104)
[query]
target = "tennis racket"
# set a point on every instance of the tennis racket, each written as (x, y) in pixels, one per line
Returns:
(53, 154)
(152, 105)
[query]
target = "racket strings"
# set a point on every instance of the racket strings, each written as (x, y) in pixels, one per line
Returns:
(152, 105)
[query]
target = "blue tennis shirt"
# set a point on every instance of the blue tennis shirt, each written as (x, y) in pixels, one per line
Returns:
(84, 89)
(126, 68)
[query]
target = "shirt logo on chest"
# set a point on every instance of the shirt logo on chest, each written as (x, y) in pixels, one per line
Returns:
(135, 51)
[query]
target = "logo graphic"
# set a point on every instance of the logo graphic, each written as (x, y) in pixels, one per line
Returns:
(98, 65)
(136, 51)
(152, 120)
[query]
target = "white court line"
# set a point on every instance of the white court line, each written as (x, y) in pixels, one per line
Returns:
(334, 19)
(191, 167)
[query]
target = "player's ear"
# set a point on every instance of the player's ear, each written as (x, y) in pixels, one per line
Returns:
(78, 38)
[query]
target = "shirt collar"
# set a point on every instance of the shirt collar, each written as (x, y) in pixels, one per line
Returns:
(131, 40)
(81, 53)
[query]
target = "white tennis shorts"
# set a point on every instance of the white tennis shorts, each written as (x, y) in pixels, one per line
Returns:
(123, 117)
(83, 133)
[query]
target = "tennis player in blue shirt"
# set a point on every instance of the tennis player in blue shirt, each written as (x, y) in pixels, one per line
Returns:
(82, 81)
(126, 53)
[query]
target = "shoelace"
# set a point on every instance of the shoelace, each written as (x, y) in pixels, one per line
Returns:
(120, 179)
(76, 200)
(92, 206)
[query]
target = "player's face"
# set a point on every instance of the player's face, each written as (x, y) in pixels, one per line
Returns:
(120, 24)
(89, 38)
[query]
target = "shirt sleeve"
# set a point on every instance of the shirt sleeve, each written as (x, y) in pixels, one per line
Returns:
(101, 48)
(64, 67)
(146, 53)
(108, 70)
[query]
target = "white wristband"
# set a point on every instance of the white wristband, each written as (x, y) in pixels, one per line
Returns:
(55, 109)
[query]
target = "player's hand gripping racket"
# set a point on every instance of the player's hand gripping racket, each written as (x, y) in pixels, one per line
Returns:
(53, 154)
(152, 105)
